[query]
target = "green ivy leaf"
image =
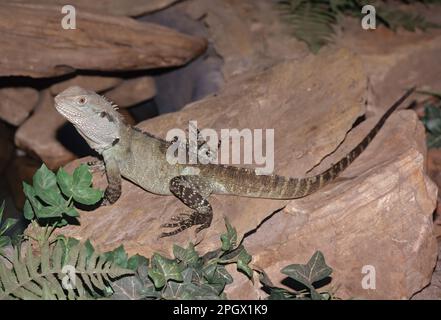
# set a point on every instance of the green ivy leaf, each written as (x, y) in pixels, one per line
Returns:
(28, 211)
(229, 239)
(49, 212)
(65, 181)
(118, 256)
(135, 261)
(188, 256)
(71, 211)
(315, 270)
(31, 196)
(45, 186)
(242, 263)
(164, 269)
(87, 196)
(82, 178)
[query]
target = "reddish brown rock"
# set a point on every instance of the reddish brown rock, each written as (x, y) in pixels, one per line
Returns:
(16, 103)
(38, 135)
(51, 50)
(94, 83)
(396, 60)
(132, 91)
(113, 7)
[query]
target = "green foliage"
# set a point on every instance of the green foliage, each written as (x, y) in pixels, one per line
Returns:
(314, 21)
(307, 275)
(432, 120)
(188, 275)
(52, 196)
(40, 276)
(4, 227)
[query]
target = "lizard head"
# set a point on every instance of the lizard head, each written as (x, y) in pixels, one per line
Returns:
(94, 117)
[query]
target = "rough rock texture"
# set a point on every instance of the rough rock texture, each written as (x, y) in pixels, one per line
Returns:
(38, 135)
(132, 91)
(16, 103)
(433, 291)
(126, 44)
(95, 83)
(350, 221)
(396, 60)
(247, 34)
(114, 7)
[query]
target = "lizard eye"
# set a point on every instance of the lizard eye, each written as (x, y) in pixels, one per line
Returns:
(82, 100)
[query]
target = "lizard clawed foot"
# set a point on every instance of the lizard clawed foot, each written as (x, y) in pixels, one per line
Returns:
(185, 221)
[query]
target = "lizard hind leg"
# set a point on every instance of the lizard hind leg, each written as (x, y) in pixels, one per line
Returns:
(193, 191)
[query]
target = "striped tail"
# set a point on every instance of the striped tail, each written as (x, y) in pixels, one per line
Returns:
(279, 187)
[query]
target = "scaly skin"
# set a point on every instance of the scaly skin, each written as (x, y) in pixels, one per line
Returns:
(141, 158)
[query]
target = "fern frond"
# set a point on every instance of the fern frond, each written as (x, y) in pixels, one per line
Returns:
(40, 277)
(312, 21)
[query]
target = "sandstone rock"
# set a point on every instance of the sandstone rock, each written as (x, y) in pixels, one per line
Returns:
(51, 50)
(16, 103)
(38, 135)
(132, 91)
(432, 291)
(6, 145)
(249, 34)
(94, 83)
(396, 60)
(114, 7)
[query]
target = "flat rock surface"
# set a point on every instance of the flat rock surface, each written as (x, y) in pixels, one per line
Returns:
(51, 50)
(16, 103)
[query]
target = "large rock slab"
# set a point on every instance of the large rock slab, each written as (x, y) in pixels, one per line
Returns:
(16, 103)
(51, 50)
(38, 135)
(295, 97)
(113, 7)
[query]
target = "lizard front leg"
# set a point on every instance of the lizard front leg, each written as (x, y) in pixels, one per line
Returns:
(113, 190)
(193, 191)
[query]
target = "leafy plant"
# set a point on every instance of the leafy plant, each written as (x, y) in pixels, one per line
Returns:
(188, 275)
(314, 21)
(307, 275)
(52, 196)
(4, 227)
(42, 275)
